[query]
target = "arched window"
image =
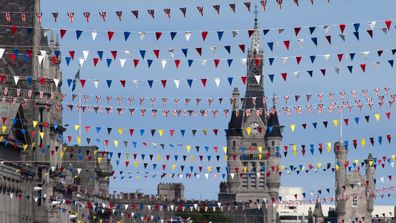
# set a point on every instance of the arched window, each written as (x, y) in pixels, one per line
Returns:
(354, 202)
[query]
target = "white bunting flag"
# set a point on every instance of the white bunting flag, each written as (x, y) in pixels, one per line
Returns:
(1, 52)
(217, 81)
(326, 57)
(258, 78)
(16, 79)
(94, 34)
(142, 35)
(203, 62)
(372, 25)
(40, 59)
(96, 83)
(177, 83)
(122, 62)
(56, 81)
(365, 54)
(163, 63)
(326, 29)
(85, 54)
(81, 60)
(187, 35)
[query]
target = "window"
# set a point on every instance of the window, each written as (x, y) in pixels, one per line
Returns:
(273, 143)
(354, 202)
(233, 144)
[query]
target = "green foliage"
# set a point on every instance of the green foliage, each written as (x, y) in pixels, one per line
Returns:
(203, 216)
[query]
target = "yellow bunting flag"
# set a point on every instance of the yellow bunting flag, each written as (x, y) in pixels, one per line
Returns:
(41, 135)
(76, 127)
(337, 167)
(188, 147)
(120, 131)
(136, 164)
(209, 169)
(173, 167)
(225, 149)
(363, 142)
(35, 123)
(205, 131)
(159, 157)
(292, 127)
(78, 140)
(371, 162)
(393, 157)
(335, 122)
(319, 165)
(3, 129)
(248, 129)
(357, 162)
(192, 158)
(245, 169)
(116, 143)
(281, 168)
(294, 149)
(260, 155)
(161, 132)
(100, 159)
(260, 149)
(377, 116)
(329, 147)
(25, 146)
(225, 157)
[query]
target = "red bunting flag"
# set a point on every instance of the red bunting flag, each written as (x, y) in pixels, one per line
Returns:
(203, 81)
(158, 35)
(13, 29)
(297, 30)
(82, 82)
(242, 47)
(298, 59)
(388, 23)
(62, 32)
(296, 2)
(264, 4)
(243, 78)
(135, 62)
(71, 53)
(110, 35)
(342, 28)
(340, 56)
(95, 61)
(346, 121)
(388, 115)
(216, 62)
(114, 53)
(287, 44)
(204, 35)
(177, 63)
(280, 3)
(284, 76)
(199, 50)
(363, 66)
(131, 131)
(156, 53)
(250, 32)
(123, 82)
(163, 83)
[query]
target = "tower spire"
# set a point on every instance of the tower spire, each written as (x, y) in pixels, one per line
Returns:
(256, 36)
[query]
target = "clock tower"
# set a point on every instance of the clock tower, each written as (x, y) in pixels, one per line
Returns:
(253, 139)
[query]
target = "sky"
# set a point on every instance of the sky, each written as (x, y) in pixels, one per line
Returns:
(306, 15)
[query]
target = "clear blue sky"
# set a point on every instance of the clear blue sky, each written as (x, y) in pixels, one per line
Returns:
(322, 13)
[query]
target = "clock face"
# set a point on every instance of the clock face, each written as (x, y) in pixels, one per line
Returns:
(254, 128)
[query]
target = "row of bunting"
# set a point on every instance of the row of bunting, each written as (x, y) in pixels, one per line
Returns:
(355, 30)
(15, 53)
(9, 15)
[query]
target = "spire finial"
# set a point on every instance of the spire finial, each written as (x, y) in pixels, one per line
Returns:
(255, 16)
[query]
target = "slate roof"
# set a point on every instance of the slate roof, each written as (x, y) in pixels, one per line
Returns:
(273, 122)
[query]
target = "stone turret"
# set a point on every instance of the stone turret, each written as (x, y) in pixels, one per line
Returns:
(370, 184)
(171, 191)
(340, 175)
(318, 212)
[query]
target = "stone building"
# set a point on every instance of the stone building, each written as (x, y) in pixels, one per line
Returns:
(34, 185)
(354, 190)
(171, 191)
(255, 136)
